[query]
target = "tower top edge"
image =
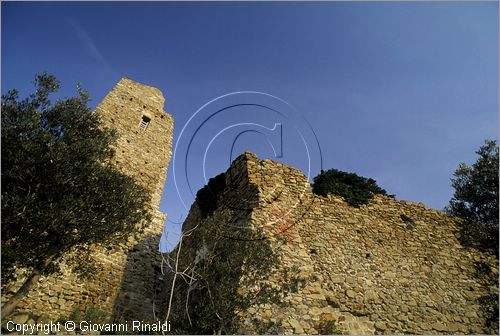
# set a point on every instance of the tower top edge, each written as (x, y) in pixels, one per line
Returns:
(126, 81)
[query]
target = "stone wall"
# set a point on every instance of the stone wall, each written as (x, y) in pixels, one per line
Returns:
(143, 153)
(126, 279)
(386, 267)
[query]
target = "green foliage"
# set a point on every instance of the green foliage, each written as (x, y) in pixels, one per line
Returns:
(95, 315)
(90, 314)
(355, 189)
(207, 196)
(476, 201)
(58, 186)
(223, 255)
(476, 198)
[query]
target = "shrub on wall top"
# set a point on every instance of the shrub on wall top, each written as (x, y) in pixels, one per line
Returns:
(355, 189)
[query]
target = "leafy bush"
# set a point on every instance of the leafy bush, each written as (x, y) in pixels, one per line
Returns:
(209, 304)
(90, 314)
(355, 189)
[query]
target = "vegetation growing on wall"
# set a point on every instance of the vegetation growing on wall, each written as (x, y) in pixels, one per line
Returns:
(475, 200)
(355, 189)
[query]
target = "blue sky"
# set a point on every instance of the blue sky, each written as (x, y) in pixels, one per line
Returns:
(398, 91)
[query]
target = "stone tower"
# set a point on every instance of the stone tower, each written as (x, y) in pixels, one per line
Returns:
(142, 151)
(309, 264)
(145, 131)
(124, 285)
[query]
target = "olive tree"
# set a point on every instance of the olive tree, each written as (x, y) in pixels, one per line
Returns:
(59, 188)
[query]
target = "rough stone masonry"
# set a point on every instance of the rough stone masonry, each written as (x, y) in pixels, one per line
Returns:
(298, 262)
(125, 284)
(314, 264)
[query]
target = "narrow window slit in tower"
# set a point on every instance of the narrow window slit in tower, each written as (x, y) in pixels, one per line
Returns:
(144, 122)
